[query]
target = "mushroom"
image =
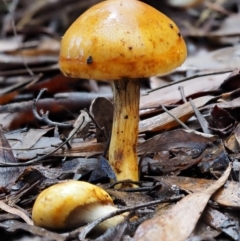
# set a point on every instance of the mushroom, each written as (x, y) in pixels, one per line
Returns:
(70, 204)
(122, 42)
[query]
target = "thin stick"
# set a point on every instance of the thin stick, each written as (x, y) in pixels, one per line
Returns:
(188, 78)
(97, 125)
(202, 121)
(176, 119)
(90, 226)
(181, 89)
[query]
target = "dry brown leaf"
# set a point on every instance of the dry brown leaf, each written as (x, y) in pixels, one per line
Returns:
(175, 139)
(179, 222)
(221, 221)
(229, 197)
(102, 111)
(231, 144)
(165, 121)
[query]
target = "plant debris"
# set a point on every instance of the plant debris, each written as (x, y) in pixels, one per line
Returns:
(56, 128)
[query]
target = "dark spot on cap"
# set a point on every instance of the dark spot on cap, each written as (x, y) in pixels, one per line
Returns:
(126, 117)
(171, 26)
(130, 47)
(179, 34)
(89, 59)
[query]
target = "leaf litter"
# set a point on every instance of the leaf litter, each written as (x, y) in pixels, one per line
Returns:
(188, 132)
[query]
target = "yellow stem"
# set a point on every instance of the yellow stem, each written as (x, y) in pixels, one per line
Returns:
(122, 151)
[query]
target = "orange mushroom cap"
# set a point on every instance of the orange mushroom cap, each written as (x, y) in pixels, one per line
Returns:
(118, 38)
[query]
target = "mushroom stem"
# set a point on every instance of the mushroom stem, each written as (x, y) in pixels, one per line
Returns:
(122, 151)
(98, 211)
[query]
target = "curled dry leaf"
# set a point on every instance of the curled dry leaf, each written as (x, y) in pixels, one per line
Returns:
(221, 121)
(102, 110)
(231, 83)
(179, 221)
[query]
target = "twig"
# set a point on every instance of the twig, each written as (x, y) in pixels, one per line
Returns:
(201, 119)
(188, 78)
(108, 139)
(37, 160)
(25, 129)
(97, 125)
(12, 199)
(138, 189)
(176, 119)
(21, 149)
(92, 225)
(181, 89)
(44, 116)
(63, 138)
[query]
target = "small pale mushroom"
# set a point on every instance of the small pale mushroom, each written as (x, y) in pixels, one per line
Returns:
(71, 204)
(122, 41)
